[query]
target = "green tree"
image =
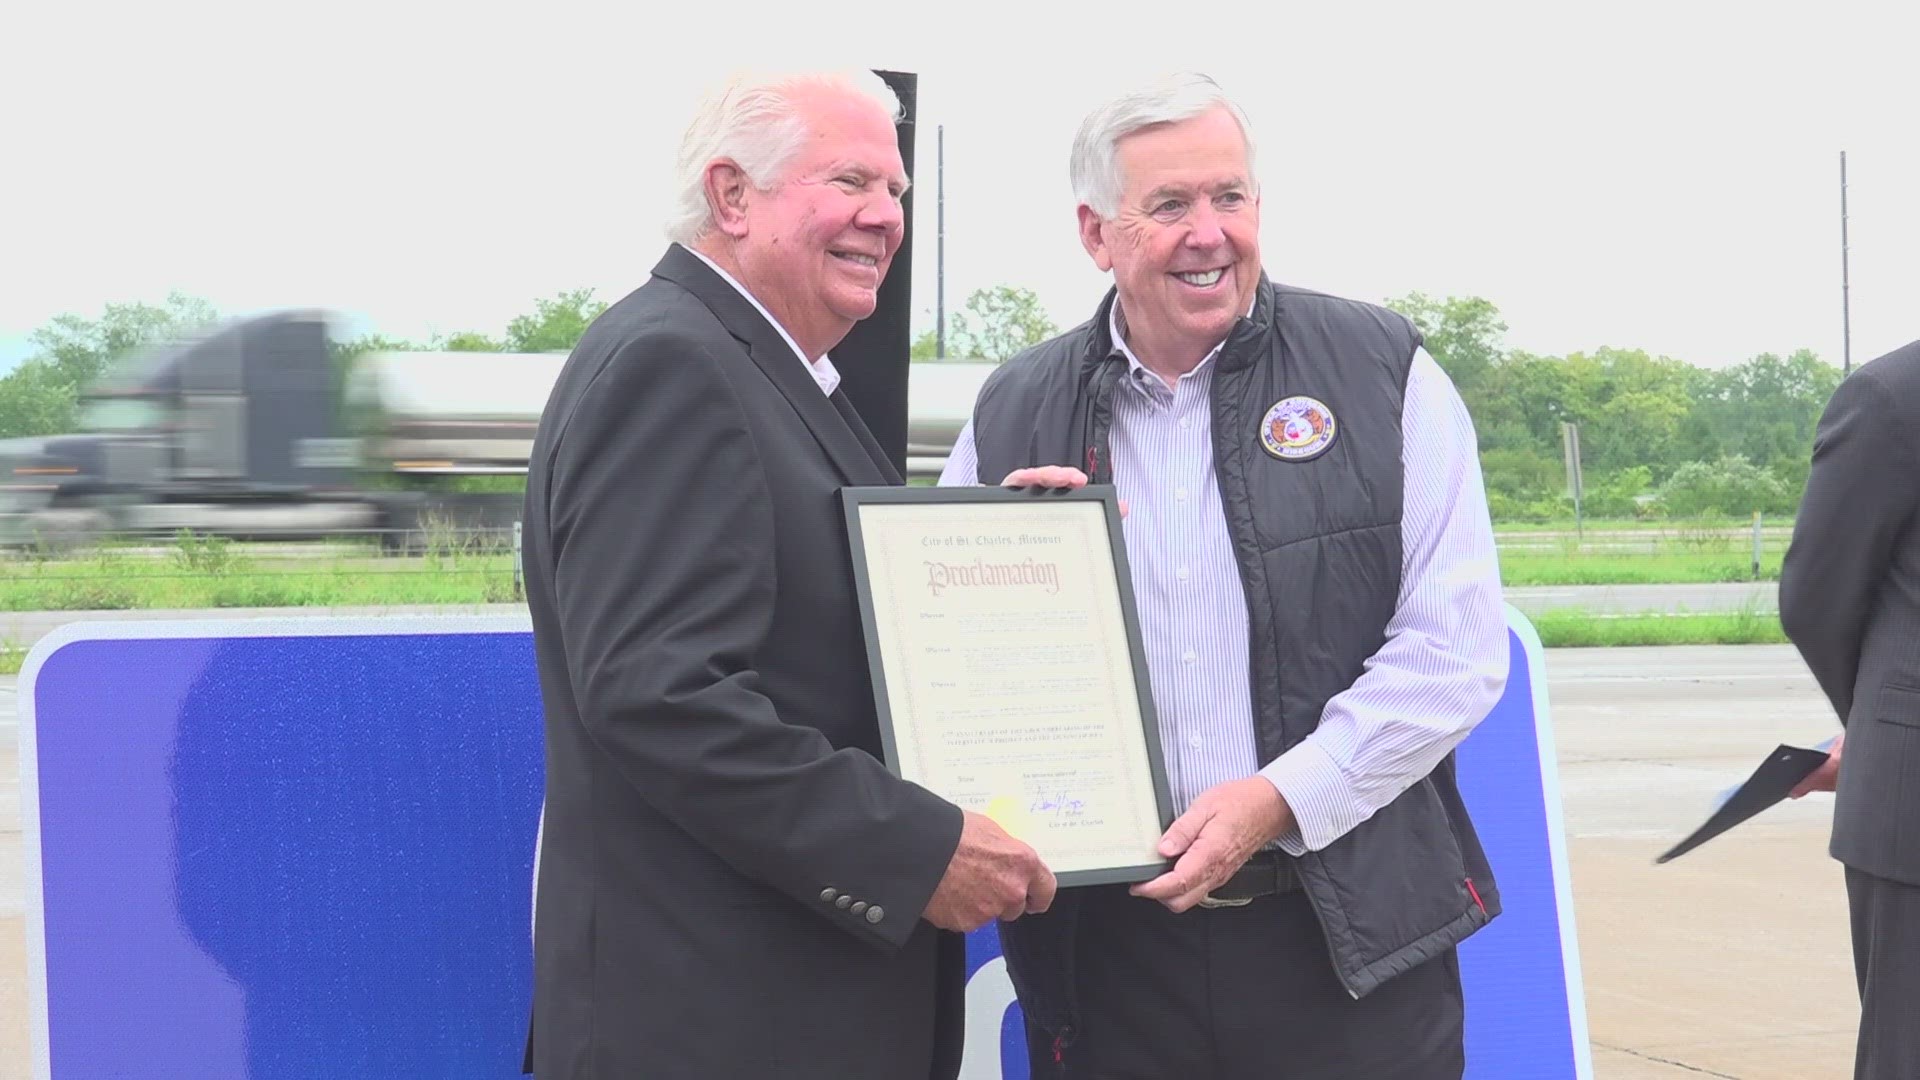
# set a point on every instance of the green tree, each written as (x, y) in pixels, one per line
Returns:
(345, 351)
(1523, 402)
(995, 324)
(468, 341)
(1617, 495)
(1792, 474)
(1732, 485)
(1521, 472)
(1765, 409)
(1631, 408)
(1463, 335)
(555, 325)
(82, 349)
(41, 396)
(36, 398)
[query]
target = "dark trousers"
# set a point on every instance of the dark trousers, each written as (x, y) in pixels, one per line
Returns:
(1242, 993)
(1886, 960)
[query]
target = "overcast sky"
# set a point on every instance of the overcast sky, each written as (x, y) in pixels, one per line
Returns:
(1653, 175)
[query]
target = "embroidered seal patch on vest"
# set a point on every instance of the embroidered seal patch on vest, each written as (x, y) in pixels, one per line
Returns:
(1298, 429)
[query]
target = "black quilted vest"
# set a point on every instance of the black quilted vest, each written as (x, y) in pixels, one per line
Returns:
(1317, 541)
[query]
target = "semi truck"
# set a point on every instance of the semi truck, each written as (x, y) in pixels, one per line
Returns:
(262, 429)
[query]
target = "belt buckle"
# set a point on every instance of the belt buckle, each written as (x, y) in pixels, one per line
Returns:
(1208, 901)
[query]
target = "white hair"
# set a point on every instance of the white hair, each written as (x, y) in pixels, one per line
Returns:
(1095, 165)
(752, 120)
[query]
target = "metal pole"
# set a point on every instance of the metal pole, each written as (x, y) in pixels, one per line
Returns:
(1846, 313)
(519, 573)
(940, 246)
(1756, 545)
(1570, 445)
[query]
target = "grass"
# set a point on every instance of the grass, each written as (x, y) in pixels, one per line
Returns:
(1693, 553)
(206, 572)
(1576, 629)
(109, 583)
(1608, 568)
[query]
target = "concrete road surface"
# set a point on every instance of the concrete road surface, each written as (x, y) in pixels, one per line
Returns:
(1732, 962)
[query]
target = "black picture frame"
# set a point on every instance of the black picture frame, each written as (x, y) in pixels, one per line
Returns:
(854, 499)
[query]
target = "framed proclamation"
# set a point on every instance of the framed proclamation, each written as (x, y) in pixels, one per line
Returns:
(1008, 670)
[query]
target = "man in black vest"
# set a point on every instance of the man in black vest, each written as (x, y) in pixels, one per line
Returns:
(1320, 604)
(731, 883)
(1850, 601)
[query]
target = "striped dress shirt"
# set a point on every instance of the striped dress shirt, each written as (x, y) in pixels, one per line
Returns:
(1444, 663)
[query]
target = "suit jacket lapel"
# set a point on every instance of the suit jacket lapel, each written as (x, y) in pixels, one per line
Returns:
(830, 427)
(865, 435)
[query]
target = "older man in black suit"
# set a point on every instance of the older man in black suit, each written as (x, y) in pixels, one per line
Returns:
(1850, 601)
(731, 883)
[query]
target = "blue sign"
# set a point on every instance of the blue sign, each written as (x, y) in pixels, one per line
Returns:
(288, 848)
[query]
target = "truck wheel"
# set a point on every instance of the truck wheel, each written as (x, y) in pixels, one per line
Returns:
(61, 532)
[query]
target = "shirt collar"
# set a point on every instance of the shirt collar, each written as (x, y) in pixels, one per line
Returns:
(822, 370)
(1116, 329)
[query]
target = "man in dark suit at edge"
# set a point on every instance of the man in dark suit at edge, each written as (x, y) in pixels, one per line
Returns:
(731, 883)
(1850, 602)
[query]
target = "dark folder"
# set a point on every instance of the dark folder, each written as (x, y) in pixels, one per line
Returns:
(1770, 783)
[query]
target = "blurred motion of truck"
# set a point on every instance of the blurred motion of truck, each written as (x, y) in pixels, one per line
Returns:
(260, 430)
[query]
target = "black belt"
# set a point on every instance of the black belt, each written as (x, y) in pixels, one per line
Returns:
(1267, 873)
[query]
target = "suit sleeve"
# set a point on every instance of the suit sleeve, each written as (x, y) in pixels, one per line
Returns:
(1860, 493)
(663, 544)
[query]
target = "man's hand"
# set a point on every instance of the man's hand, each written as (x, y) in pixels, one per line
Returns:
(1051, 476)
(1824, 778)
(991, 875)
(1217, 834)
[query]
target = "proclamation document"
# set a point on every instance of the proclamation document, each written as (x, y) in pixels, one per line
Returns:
(1007, 667)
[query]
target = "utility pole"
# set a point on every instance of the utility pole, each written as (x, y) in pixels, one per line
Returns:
(1846, 313)
(1576, 481)
(940, 245)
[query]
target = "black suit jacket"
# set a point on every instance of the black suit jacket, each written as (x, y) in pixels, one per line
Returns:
(730, 881)
(1850, 601)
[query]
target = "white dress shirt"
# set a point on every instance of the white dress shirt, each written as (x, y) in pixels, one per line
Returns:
(1444, 663)
(822, 370)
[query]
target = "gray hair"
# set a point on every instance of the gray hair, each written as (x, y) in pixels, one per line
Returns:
(1095, 166)
(751, 119)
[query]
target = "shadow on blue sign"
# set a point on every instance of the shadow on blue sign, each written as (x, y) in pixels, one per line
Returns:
(286, 856)
(304, 849)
